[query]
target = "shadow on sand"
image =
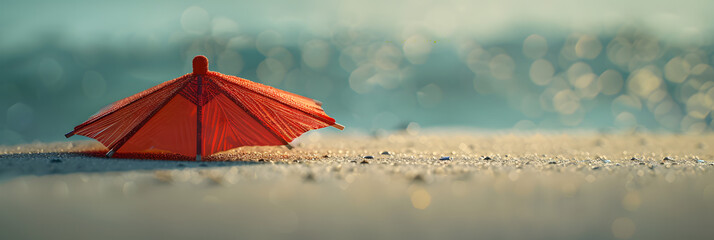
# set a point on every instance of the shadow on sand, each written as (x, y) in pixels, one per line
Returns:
(19, 164)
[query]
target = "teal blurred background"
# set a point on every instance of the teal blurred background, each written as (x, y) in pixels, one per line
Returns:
(378, 67)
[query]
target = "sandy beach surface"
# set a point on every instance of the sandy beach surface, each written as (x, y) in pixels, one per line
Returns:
(432, 185)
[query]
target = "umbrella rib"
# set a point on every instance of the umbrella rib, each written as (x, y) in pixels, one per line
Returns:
(285, 104)
(245, 109)
(80, 126)
(141, 124)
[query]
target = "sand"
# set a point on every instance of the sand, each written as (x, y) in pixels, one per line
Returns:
(351, 186)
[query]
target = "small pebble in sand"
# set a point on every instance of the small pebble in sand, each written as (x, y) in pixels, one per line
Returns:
(487, 158)
(668, 159)
(368, 157)
(605, 161)
(634, 159)
(309, 177)
(642, 163)
(596, 168)
(364, 162)
(552, 162)
(447, 158)
(56, 160)
(261, 160)
(700, 161)
(386, 153)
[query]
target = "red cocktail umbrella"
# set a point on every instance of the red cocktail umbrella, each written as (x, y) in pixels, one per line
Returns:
(204, 112)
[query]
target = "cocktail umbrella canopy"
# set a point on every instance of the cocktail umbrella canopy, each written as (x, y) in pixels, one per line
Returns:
(202, 113)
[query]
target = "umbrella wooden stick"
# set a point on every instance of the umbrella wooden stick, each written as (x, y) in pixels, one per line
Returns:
(199, 117)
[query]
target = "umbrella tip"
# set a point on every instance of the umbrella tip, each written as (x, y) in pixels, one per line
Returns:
(200, 64)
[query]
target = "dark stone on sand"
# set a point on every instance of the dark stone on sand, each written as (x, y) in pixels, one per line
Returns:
(596, 168)
(386, 153)
(261, 160)
(56, 160)
(353, 161)
(364, 162)
(668, 159)
(552, 162)
(642, 163)
(418, 178)
(309, 177)
(447, 158)
(487, 158)
(634, 159)
(368, 157)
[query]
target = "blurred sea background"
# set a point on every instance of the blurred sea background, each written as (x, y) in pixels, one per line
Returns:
(378, 66)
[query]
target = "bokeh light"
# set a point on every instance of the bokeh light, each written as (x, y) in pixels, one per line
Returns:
(588, 47)
(623, 228)
(535, 46)
(541, 72)
(316, 54)
(416, 49)
(627, 75)
(421, 199)
(502, 66)
(195, 20)
(271, 72)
